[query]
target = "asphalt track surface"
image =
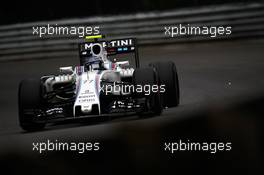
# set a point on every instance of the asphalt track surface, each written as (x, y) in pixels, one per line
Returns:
(209, 73)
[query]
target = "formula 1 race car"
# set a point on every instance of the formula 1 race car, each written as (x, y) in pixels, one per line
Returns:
(104, 84)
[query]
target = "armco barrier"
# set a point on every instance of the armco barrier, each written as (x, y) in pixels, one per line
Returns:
(18, 43)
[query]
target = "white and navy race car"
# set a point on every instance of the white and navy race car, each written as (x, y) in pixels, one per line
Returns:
(107, 82)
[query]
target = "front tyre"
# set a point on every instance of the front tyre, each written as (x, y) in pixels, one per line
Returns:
(29, 102)
(148, 77)
(168, 76)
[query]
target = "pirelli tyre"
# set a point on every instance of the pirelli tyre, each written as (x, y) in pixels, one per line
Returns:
(29, 101)
(168, 76)
(148, 77)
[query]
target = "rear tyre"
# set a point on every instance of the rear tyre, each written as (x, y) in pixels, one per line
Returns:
(29, 101)
(168, 76)
(148, 77)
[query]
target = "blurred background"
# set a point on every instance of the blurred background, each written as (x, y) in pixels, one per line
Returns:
(26, 11)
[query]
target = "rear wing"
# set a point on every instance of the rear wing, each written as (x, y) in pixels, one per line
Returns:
(113, 47)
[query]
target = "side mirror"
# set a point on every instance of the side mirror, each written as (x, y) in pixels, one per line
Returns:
(122, 63)
(67, 70)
